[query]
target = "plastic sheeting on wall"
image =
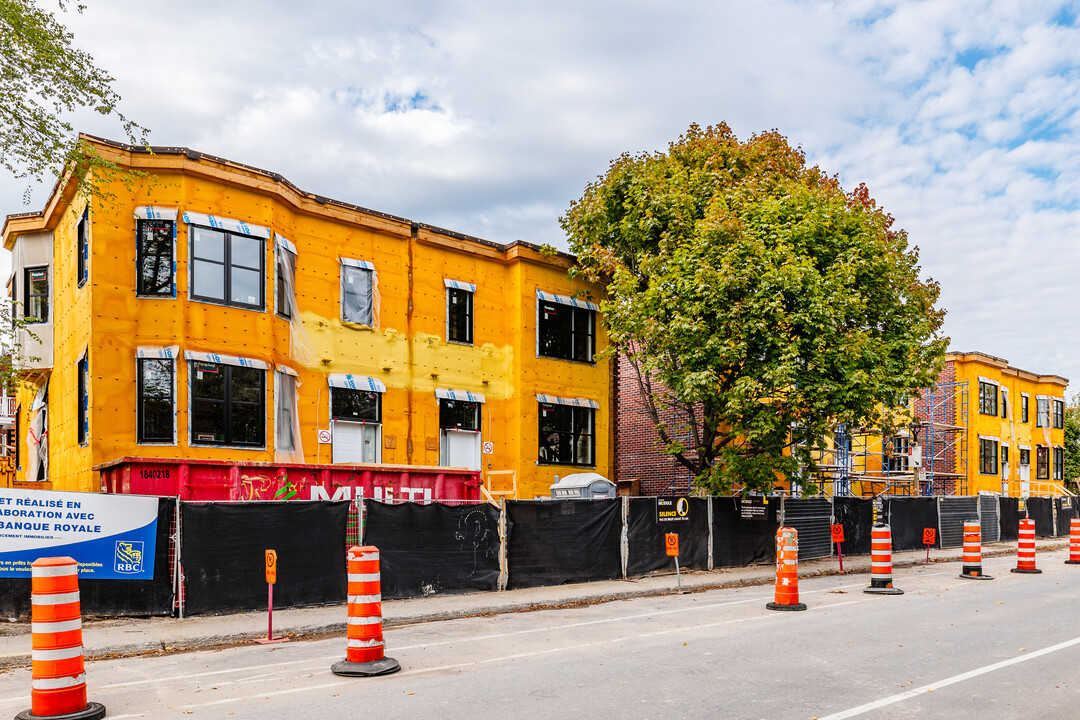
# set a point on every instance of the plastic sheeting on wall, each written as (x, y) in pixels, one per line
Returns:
(288, 448)
(553, 542)
(301, 348)
(359, 293)
(434, 548)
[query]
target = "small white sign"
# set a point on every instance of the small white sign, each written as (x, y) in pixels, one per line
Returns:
(489, 447)
(325, 437)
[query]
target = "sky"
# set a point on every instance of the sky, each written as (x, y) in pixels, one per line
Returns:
(490, 118)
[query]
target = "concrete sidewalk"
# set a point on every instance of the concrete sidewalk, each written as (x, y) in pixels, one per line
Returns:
(138, 636)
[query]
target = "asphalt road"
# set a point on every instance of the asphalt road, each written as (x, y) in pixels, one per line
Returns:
(948, 648)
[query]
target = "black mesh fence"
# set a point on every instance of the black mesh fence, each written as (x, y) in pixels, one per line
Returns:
(744, 531)
(645, 537)
(908, 517)
(1066, 511)
(223, 545)
(953, 512)
(112, 597)
(553, 542)
(989, 518)
(434, 549)
(812, 518)
(1010, 518)
(1041, 510)
(856, 515)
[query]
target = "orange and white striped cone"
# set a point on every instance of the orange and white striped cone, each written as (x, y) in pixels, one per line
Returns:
(1074, 542)
(881, 562)
(1025, 548)
(58, 684)
(972, 569)
(787, 571)
(364, 653)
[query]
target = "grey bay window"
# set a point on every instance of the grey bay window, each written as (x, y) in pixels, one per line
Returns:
(155, 402)
(988, 398)
(228, 405)
(566, 435)
(566, 327)
(988, 456)
(154, 252)
(459, 311)
(358, 292)
(226, 267)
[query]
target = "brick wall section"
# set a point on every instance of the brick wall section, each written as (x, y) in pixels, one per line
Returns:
(945, 443)
(637, 456)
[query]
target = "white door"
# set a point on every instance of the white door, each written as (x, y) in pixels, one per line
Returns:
(461, 448)
(1025, 486)
(355, 442)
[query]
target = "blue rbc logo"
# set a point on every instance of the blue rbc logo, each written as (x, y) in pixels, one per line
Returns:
(129, 557)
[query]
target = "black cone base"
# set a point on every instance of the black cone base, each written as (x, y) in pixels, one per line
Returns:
(796, 606)
(93, 711)
(980, 576)
(1072, 562)
(1034, 571)
(368, 669)
(883, 591)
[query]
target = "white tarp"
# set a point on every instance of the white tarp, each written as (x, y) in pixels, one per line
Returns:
(577, 402)
(459, 285)
(157, 353)
(356, 382)
(153, 212)
(227, 224)
(566, 300)
(467, 395)
(226, 360)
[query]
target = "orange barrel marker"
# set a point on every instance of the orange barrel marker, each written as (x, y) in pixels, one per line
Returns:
(364, 653)
(972, 569)
(787, 571)
(1025, 548)
(881, 562)
(1074, 542)
(58, 684)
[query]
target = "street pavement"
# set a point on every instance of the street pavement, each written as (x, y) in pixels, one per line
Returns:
(107, 638)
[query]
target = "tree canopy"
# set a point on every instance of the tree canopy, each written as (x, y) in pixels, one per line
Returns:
(757, 301)
(44, 78)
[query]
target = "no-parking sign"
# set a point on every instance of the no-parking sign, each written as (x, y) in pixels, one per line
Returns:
(325, 437)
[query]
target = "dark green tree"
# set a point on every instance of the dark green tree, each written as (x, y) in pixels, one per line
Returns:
(756, 299)
(1072, 443)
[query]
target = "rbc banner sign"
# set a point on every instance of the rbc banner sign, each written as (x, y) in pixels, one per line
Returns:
(110, 536)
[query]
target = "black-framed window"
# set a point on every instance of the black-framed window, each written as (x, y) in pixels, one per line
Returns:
(1025, 458)
(1059, 414)
(1004, 402)
(358, 295)
(83, 372)
(1059, 463)
(565, 332)
(1042, 462)
(227, 268)
(897, 459)
(459, 316)
(1042, 412)
(82, 250)
(355, 405)
(228, 405)
(155, 400)
(36, 284)
(1004, 460)
(459, 415)
(566, 435)
(286, 272)
(285, 418)
(154, 241)
(988, 398)
(1024, 408)
(988, 456)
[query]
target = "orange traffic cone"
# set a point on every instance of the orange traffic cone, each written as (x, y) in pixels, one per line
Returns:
(364, 653)
(972, 569)
(881, 562)
(58, 684)
(787, 571)
(1025, 548)
(1074, 542)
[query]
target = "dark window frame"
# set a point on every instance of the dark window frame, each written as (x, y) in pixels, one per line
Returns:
(988, 398)
(82, 247)
(549, 450)
(28, 303)
(1024, 399)
(1004, 458)
(346, 307)
(898, 460)
(1025, 458)
(337, 404)
(1059, 463)
(466, 322)
(228, 404)
(141, 436)
(1042, 462)
(988, 456)
(1058, 409)
(227, 266)
(581, 330)
(452, 415)
(1004, 402)
(283, 291)
(141, 256)
(1040, 413)
(83, 391)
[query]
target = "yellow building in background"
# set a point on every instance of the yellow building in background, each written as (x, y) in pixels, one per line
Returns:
(211, 310)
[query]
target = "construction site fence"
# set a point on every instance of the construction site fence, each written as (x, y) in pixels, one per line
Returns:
(210, 556)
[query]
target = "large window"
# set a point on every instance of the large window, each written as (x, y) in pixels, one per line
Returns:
(1042, 462)
(896, 460)
(82, 234)
(286, 272)
(566, 435)
(1042, 412)
(1005, 461)
(988, 456)
(285, 419)
(36, 282)
(459, 415)
(227, 268)
(1059, 463)
(1025, 459)
(459, 315)
(1059, 414)
(1004, 402)
(154, 247)
(988, 398)
(1024, 408)
(355, 405)
(565, 331)
(357, 293)
(83, 371)
(155, 401)
(228, 405)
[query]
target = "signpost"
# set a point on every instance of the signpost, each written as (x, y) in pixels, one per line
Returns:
(671, 544)
(929, 537)
(838, 538)
(271, 578)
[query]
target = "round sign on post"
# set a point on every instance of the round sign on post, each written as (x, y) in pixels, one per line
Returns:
(671, 543)
(837, 533)
(929, 536)
(271, 566)
(489, 447)
(325, 437)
